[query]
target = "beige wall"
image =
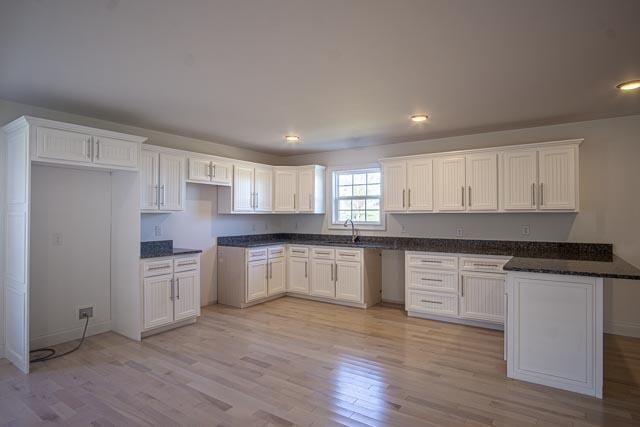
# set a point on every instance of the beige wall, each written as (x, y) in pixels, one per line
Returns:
(609, 194)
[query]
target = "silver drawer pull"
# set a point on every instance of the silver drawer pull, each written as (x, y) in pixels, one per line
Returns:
(297, 252)
(431, 302)
(159, 267)
(322, 253)
(431, 280)
(431, 261)
(187, 263)
(485, 265)
(345, 254)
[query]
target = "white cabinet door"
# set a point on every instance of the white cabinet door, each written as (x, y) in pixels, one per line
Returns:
(322, 278)
(450, 183)
(187, 295)
(171, 182)
(285, 188)
(158, 306)
(298, 275)
(59, 144)
(349, 281)
(221, 173)
(149, 197)
(420, 184)
(557, 178)
(263, 189)
(306, 189)
(482, 296)
(519, 179)
(394, 180)
(243, 197)
(199, 169)
(482, 182)
(115, 152)
(256, 280)
(276, 276)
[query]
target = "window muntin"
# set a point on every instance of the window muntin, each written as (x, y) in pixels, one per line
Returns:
(356, 196)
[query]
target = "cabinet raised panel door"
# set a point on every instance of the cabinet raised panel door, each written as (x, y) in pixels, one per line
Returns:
(557, 190)
(149, 162)
(59, 144)
(451, 184)
(199, 170)
(420, 185)
(256, 280)
(186, 297)
(482, 297)
(285, 190)
(322, 278)
(306, 193)
(349, 281)
(115, 152)
(394, 176)
(263, 189)
(158, 306)
(243, 197)
(221, 173)
(482, 182)
(520, 179)
(276, 276)
(298, 275)
(171, 192)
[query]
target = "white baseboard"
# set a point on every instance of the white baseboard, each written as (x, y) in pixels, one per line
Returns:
(69, 334)
(627, 329)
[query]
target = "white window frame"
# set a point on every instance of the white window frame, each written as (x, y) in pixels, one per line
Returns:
(333, 222)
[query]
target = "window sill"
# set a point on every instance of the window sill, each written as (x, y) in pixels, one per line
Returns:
(370, 227)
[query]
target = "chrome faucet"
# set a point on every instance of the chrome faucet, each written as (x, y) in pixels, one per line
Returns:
(354, 230)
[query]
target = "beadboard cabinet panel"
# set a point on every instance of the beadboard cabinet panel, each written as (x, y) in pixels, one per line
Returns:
(482, 182)
(420, 184)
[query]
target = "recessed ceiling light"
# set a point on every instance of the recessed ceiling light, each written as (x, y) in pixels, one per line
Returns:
(630, 85)
(292, 139)
(419, 118)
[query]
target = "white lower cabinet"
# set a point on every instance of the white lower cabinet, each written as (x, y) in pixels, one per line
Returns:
(276, 282)
(256, 280)
(349, 281)
(482, 296)
(298, 275)
(170, 290)
(322, 278)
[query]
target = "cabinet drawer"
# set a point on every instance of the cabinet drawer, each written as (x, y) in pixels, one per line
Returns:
(323, 253)
(186, 264)
(434, 303)
(298, 251)
(256, 254)
(349, 255)
(483, 264)
(433, 280)
(276, 252)
(432, 261)
(157, 267)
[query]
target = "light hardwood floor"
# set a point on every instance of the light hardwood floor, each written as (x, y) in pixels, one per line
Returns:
(298, 362)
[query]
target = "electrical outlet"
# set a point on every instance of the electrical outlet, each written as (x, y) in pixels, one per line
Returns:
(459, 232)
(404, 229)
(296, 225)
(57, 239)
(253, 227)
(266, 226)
(157, 231)
(526, 230)
(85, 312)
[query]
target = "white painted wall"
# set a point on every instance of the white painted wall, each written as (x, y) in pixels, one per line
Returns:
(73, 207)
(610, 206)
(198, 228)
(3, 169)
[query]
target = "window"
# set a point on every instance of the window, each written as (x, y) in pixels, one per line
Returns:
(356, 196)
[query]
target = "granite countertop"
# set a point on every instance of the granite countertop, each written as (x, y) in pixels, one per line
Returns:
(579, 259)
(162, 248)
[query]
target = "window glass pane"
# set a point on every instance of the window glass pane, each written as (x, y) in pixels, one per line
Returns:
(373, 178)
(373, 204)
(358, 216)
(344, 179)
(345, 191)
(359, 190)
(344, 215)
(358, 205)
(344, 205)
(373, 190)
(360, 178)
(373, 216)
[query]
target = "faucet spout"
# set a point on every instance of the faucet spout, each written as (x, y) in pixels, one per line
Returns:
(354, 230)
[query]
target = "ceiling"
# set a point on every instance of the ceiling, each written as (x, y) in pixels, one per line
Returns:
(340, 73)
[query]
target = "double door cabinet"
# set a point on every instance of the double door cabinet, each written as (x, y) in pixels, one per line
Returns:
(340, 275)
(162, 184)
(170, 290)
(209, 170)
(542, 177)
(298, 189)
(461, 289)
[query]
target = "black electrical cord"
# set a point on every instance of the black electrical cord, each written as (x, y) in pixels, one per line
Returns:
(51, 352)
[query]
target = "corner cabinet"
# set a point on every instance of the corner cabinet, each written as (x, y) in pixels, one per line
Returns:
(162, 180)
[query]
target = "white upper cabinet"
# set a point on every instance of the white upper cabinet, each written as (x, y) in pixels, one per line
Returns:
(482, 182)
(59, 144)
(115, 152)
(450, 183)
(243, 193)
(221, 172)
(209, 170)
(557, 178)
(285, 181)
(162, 180)
(199, 169)
(394, 177)
(263, 189)
(519, 179)
(420, 184)
(298, 189)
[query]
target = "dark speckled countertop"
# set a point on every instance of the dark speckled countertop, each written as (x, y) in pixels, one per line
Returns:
(162, 248)
(579, 259)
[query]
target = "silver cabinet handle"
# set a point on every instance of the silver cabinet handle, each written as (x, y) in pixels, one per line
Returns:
(478, 264)
(409, 198)
(533, 194)
(158, 196)
(270, 270)
(178, 286)
(159, 267)
(332, 272)
(431, 302)
(430, 280)
(305, 269)
(266, 272)
(403, 197)
(172, 291)
(469, 196)
(462, 286)
(463, 196)
(214, 170)
(294, 201)
(310, 202)
(164, 194)
(97, 149)
(89, 148)
(541, 194)
(257, 194)
(182, 264)
(336, 272)
(210, 170)
(431, 261)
